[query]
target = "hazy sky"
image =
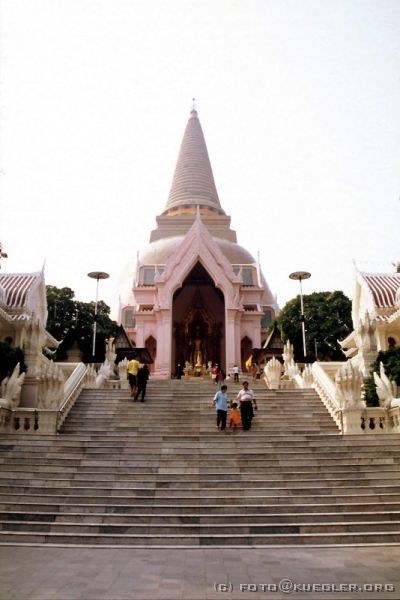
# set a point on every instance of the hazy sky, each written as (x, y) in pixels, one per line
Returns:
(299, 103)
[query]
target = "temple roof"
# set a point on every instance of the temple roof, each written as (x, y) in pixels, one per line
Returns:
(193, 182)
(383, 288)
(17, 286)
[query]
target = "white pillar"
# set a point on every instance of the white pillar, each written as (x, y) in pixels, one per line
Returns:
(163, 365)
(230, 338)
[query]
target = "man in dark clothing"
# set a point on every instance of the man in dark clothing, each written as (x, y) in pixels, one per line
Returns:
(142, 378)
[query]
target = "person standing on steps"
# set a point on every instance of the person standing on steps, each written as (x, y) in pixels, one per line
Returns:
(221, 403)
(234, 417)
(142, 379)
(247, 399)
(220, 377)
(132, 369)
(235, 371)
(179, 371)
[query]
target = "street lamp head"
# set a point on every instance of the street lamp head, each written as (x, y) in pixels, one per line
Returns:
(98, 275)
(300, 275)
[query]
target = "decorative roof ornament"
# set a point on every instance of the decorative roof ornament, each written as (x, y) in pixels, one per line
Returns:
(397, 298)
(2, 254)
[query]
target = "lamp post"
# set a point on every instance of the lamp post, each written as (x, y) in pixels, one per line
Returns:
(299, 276)
(96, 275)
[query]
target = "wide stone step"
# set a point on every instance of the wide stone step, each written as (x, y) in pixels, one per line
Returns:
(384, 510)
(235, 480)
(268, 459)
(177, 540)
(115, 498)
(11, 441)
(165, 464)
(113, 472)
(244, 519)
(211, 439)
(241, 528)
(129, 456)
(75, 488)
(125, 465)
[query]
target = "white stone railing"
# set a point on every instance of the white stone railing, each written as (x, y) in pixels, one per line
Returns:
(394, 419)
(374, 420)
(72, 388)
(350, 414)
(28, 420)
(326, 389)
(41, 420)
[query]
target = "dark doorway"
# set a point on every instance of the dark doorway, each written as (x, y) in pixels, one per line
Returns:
(151, 345)
(246, 346)
(198, 317)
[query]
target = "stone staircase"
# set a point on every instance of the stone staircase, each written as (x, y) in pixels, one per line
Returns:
(159, 473)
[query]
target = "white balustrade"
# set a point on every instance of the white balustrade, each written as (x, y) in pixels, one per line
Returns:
(341, 394)
(326, 389)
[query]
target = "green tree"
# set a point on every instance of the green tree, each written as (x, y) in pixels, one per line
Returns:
(327, 319)
(71, 321)
(9, 357)
(62, 313)
(84, 328)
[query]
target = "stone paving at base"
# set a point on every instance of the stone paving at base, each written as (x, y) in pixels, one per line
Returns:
(51, 573)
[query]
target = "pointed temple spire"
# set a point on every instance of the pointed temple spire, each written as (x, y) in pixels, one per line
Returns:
(193, 182)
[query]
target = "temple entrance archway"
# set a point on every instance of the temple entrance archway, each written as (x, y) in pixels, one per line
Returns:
(198, 317)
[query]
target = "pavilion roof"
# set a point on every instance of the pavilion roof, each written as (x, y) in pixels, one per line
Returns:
(17, 287)
(383, 288)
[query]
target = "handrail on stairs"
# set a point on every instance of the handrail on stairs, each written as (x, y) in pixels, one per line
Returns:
(72, 388)
(325, 388)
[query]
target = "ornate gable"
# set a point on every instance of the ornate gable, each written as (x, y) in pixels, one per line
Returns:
(25, 293)
(199, 246)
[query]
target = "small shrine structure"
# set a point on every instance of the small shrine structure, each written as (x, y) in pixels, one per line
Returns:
(376, 318)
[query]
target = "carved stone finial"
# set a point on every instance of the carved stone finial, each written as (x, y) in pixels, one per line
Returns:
(348, 381)
(272, 371)
(288, 354)
(397, 298)
(10, 388)
(308, 376)
(51, 386)
(385, 389)
(365, 334)
(110, 350)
